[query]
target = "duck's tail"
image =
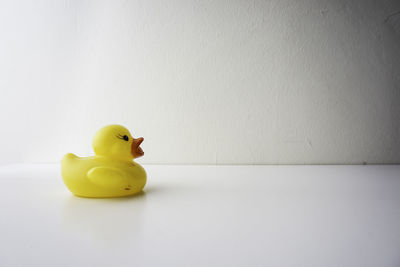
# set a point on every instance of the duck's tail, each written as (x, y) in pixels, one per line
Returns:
(69, 156)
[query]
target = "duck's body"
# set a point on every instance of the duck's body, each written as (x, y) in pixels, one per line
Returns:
(110, 174)
(101, 177)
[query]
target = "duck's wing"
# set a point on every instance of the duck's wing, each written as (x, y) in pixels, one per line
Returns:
(106, 176)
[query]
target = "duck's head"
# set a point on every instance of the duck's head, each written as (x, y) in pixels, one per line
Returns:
(115, 141)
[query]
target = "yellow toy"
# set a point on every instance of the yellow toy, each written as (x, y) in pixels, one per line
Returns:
(112, 171)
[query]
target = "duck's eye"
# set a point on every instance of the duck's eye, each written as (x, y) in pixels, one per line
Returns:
(124, 137)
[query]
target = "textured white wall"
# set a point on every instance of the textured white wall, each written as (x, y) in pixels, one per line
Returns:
(203, 81)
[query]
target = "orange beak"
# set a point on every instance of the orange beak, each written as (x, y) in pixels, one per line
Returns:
(136, 150)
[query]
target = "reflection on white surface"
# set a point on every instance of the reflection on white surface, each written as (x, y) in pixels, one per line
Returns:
(104, 220)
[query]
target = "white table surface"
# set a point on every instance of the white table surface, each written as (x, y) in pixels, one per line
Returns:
(206, 216)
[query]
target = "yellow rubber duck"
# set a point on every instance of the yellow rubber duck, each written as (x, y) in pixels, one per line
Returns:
(112, 171)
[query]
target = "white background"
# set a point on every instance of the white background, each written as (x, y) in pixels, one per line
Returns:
(218, 82)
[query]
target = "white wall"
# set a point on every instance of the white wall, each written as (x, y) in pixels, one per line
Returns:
(203, 81)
